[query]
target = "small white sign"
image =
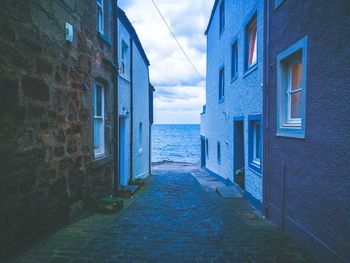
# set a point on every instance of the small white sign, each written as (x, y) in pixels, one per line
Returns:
(69, 32)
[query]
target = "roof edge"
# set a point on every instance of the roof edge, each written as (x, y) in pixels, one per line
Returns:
(211, 16)
(129, 27)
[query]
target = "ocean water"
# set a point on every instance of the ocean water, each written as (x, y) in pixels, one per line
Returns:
(177, 143)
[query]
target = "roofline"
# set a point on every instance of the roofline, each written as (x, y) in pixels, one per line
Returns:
(211, 16)
(129, 27)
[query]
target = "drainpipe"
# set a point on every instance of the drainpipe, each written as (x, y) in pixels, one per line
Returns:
(115, 74)
(283, 186)
(266, 106)
(131, 107)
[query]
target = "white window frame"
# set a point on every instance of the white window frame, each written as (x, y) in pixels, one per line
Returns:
(292, 121)
(100, 16)
(99, 152)
(124, 57)
(255, 160)
(287, 126)
(140, 137)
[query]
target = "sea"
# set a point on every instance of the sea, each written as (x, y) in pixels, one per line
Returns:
(176, 143)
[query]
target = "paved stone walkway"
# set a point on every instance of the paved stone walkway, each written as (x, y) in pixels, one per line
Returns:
(172, 219)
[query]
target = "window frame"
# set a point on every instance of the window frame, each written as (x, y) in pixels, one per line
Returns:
(218, 153)
(222, 17)
(255, 164)
(222, 84)
(287, 127)
(124, 57)
(140, 137)
(100, 16)
(253, 18)
(101, 151)
(234, 60)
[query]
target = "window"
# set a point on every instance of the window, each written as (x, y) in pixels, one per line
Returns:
(251, 43)
(291, 90)
(99, 120)
(140, 136)
(219, 153)
(222, 85)
(234, 67)
(125, 56)
(255, 142)
(222, 16)
(100, 16)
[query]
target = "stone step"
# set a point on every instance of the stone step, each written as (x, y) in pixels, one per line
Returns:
(228, 192)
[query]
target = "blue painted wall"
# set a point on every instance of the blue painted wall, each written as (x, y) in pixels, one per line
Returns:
(317, 168)
(243, 96)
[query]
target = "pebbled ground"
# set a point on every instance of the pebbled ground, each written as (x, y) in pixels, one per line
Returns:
(172, 219)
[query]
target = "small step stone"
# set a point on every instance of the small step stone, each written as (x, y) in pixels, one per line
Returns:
(228, 192)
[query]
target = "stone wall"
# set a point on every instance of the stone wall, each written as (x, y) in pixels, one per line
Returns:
(46, 137)
(316, 201)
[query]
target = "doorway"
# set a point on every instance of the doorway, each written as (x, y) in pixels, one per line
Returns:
(238, 153)
(203, 152)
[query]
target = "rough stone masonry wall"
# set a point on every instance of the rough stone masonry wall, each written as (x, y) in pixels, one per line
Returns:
(46, 137)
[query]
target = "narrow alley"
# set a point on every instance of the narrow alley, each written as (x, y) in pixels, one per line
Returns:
(171, 219)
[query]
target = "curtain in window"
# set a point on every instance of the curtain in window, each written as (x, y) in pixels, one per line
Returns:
(252, 44)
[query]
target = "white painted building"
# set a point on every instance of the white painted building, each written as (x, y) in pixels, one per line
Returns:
(231, 122)
(135, 105)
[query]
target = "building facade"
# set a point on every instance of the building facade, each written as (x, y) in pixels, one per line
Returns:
(134, 104)
(231, 123)
(59, 131)
(306, 110)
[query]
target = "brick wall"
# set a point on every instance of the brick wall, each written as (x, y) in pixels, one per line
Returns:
(46, 137)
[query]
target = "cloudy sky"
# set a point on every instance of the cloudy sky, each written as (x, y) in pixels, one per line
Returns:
(180, 92)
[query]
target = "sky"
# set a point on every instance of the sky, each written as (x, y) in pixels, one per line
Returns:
(180, 92)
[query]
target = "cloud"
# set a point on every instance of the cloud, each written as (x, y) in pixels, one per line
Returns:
(180, 92)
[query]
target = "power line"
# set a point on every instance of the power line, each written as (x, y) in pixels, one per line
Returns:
(178, 43)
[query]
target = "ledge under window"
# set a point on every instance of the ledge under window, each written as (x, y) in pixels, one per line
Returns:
(222, 100)
(105, 39)
(101, 161)
(250, 70)
(234, 78)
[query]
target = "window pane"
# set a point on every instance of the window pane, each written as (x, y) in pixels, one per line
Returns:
(97, 133)
(252, 40)
(296, 105)
(296, 76)
(257, 141)
(222, 84)
(234, 60)
(98, 101)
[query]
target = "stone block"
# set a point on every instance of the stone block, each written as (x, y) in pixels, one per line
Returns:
(9, 96)
(44, 66)
(7, 34)
(20, 61)
(35, 88)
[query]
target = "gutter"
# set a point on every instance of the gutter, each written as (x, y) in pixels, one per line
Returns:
(266, 106)
(115, 74)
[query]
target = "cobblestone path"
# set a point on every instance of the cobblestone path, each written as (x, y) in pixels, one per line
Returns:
(171, 220)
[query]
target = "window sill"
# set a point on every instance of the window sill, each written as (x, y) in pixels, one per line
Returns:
(221, 33)
(278, 5)
(104, 38)
(124, 77)
(255, 168)
(221, 100)
(234, 78)
(101, 161)
(140, 152)
(250, 70)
